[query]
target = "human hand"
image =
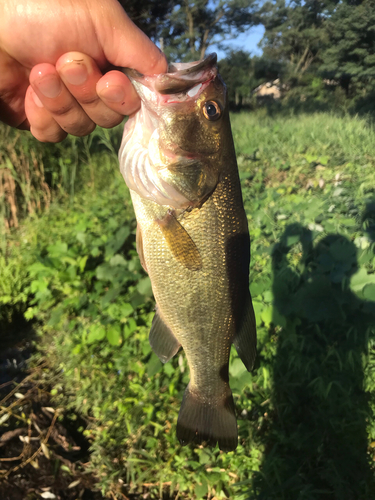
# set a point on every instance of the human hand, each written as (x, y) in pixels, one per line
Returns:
(50, 88)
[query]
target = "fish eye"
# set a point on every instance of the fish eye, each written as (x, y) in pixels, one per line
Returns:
(211, 110)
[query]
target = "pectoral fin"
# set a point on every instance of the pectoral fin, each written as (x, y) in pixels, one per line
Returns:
(163, 342)
(139, 247)
(180, 243)
(245, 340)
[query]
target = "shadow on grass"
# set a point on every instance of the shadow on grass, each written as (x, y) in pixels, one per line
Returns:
(317, 444)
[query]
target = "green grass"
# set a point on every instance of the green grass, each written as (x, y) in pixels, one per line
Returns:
(306, 413)
(341, 138)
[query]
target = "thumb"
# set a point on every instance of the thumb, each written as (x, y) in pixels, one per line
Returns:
(125, 45)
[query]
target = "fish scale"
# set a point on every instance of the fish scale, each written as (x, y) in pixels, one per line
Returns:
(195, 247)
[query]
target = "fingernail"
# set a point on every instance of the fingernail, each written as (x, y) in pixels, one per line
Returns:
(50, 86)
(36, 99)
(112, 93)
(75, 73)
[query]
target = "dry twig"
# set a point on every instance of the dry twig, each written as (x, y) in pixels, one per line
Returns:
(30, 459)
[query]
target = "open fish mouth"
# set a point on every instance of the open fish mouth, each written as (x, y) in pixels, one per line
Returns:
(184, 80)
(149, 164)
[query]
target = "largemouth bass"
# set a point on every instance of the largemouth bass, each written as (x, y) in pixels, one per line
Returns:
(178, 160)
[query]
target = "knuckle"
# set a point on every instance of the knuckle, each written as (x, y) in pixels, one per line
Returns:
(48, 135)
(63, 110)
(89, 100)
(110, 121)
(81, 130)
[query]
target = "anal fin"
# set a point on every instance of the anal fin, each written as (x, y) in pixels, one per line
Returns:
(163, 342)
(245, 340)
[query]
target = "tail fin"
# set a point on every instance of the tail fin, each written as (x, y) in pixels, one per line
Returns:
(208, 421)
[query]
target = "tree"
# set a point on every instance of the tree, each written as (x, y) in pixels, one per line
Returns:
(295, 31)
(151, 16)
(194, 25)
(350, 55)
(236, 70)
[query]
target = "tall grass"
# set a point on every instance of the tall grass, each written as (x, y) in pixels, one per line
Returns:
(32, 174)
(23, 186)
(342, 138)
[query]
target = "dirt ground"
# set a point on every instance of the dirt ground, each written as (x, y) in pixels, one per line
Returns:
(43, 455)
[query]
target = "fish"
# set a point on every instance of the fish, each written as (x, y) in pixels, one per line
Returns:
(178, 159)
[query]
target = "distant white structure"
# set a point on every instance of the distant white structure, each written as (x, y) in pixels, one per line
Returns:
(268, 90)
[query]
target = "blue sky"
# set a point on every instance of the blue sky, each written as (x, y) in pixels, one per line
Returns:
(246, 41)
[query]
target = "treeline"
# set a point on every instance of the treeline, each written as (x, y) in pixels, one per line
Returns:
(320, 50)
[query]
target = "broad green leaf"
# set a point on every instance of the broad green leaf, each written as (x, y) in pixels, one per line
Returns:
(201, 490)
(323, 160)
(204, 458)
(154, 365)
(258, 287)
(57, 249)
(236, 368)
(369, 292)
(117, 241)
(311, 158)
(292, 240)
(82, 262)
(144, 287)
(266, 315)
(126, 309)
(346, 221)
(277, 318)
(130, 327)
(258, 309)
(96, 333)
(81, 237)
(268, 296)
(361, 279)
(114, 335)
(168, 369)
(111, 295)
(117, 260)
(77, 349)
